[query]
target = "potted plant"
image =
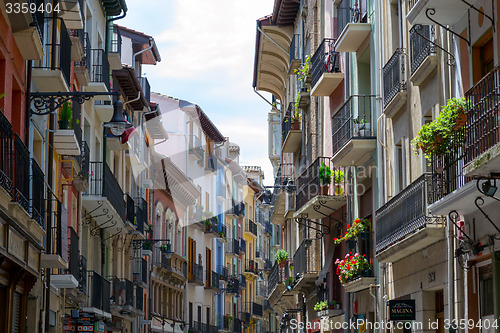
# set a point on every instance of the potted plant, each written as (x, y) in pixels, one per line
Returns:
(65, 116)
(325, 178)
(351, 267)
(331, 304)
(281, 257)
(352, 231)
(319, 306)
(288, 281)
(296, 118)
(364, 127)
(338, 178)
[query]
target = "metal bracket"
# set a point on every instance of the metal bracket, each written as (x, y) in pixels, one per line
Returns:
(47, 102)
(453, 215)
(451, 60)
(483, 13)
(325, 230)
(478, 205)
(117, 233)
(430, 12)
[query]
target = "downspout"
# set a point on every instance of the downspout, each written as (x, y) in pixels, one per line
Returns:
(110, 27)
(152, 41)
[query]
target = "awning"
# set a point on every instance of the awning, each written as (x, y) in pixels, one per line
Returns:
(328, 263)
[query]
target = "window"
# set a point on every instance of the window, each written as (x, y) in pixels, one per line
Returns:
(482, 55)
(486, 290)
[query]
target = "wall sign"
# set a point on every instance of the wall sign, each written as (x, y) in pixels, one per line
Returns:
(401, 309)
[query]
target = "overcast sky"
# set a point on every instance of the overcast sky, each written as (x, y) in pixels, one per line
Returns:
(207, 51)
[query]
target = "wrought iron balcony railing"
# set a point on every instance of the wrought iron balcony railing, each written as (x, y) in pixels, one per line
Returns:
(353, 120)
(146, 88)
(420, 47)
(57, 54)
(243, 282)
(223, 273)
(257, 309)
(77, 264)
(100, 67)
(447, 170)
(236, 325)
(260, 289)
(286, 123)
(99, 292)
(324, 60)
(86, 60)
(122, 292)
(309, 184)
(130, 203)
(275, 277)
(58, 229)
(20, 168)
(233, 246)
(250, 227)
(306, 259)
(38, 190)
(251, 267)
(347, 14)
(406, 213)
(483, 115)
(116, 42)
(139, 298)
(102, 182)
(268, 228)
(195, 273)
(84, 160)
(141, 212)
(394, 76)
(243, 246)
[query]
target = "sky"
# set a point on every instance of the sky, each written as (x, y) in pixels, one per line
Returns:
(207, 50)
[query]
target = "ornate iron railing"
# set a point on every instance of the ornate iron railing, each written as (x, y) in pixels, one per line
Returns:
(275, 277)
(307, 258)
(406, 213)
(103, 183)
(347, 14)
(251, 267)
(309, 184)
(100, 67)
(38, 190)
(21, 173)
(324, 60)
(394, 76)
(483, 115)
(250, 227)
(354, 119)
(420, 47)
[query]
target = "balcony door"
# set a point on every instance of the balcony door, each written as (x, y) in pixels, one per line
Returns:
(191, 258)
(209, 268)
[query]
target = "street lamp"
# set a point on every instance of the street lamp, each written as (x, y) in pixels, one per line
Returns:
(117, 124)
(168, 252)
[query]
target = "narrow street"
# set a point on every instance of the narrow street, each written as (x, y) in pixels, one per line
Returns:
(279, 166)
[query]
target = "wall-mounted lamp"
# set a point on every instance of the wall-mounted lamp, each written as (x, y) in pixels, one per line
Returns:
(117, 124)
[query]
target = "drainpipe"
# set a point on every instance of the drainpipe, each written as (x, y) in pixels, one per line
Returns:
(110, 27)
(374, 301)
(152, 41)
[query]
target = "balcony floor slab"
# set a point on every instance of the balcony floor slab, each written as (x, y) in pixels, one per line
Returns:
(484, 164)
(321, 206)
(355, 152)
(359, 284)
(353, 35)
(461, 200)
(327, 84)
(292, 141)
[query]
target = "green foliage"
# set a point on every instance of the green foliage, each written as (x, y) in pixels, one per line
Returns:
(353, 230)
(302, 75)
(296, 115)
(281, 255)
(435, 137)
(351, 266)
(66, 112)
(321, 306)
(338, 176)
(325, 174)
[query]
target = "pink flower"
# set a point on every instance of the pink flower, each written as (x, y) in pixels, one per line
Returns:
(337, 262)
(356, 255)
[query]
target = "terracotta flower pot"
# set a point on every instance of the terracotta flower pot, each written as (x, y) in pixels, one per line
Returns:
(295, 125)
(461, 121)
(282, 263)
(324, 189)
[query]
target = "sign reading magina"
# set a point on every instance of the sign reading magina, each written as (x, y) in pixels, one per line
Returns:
(401, 309)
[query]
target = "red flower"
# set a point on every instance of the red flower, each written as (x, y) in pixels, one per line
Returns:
(348, 226)
(348, 266)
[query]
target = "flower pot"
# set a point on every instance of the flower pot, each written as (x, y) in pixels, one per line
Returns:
(461, 121)
(364, 235)
(295, 125)
(324, 189)
(282, 263)
(331, 307)
(338, 190)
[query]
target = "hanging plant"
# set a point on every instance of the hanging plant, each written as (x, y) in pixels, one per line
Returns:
(352, 231)
(351, 267)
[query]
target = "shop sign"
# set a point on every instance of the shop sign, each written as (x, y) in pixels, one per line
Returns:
(99, 326)
(402, 309)
(85, 323)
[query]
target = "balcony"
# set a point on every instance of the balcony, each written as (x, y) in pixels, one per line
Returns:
(68, 136)
(27, 30)
(114, 56)
(251, 269)
(38, 189)
(196, 148)
(146, 89)
(360, 282)
(423, 57)
(99, 75)
(104, 199)
(315, 199)
(404, 224)
(268, 229)
(394, 83)
(195, 273)
(326, 75)
(352, 29)
(353, 138)
(211, 165)
(233, 285)
(295, 56)
(72, 13)
(212, 280)
(73, 274)
(243, 282)
(98, 301)
(261, 290)
(82, 67)
(259, 253)
(175, 267)
(77, 38)
(307, 263)
(482, 129)
(56, 253)
(52, 73)
(233, 248)
(243, 246)
(446, 12)
(141, 212)
(250, 228)
(122, 297)
(303, 97)
(284, 176)
(130, 212)
(291, 133)
(222, 271)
